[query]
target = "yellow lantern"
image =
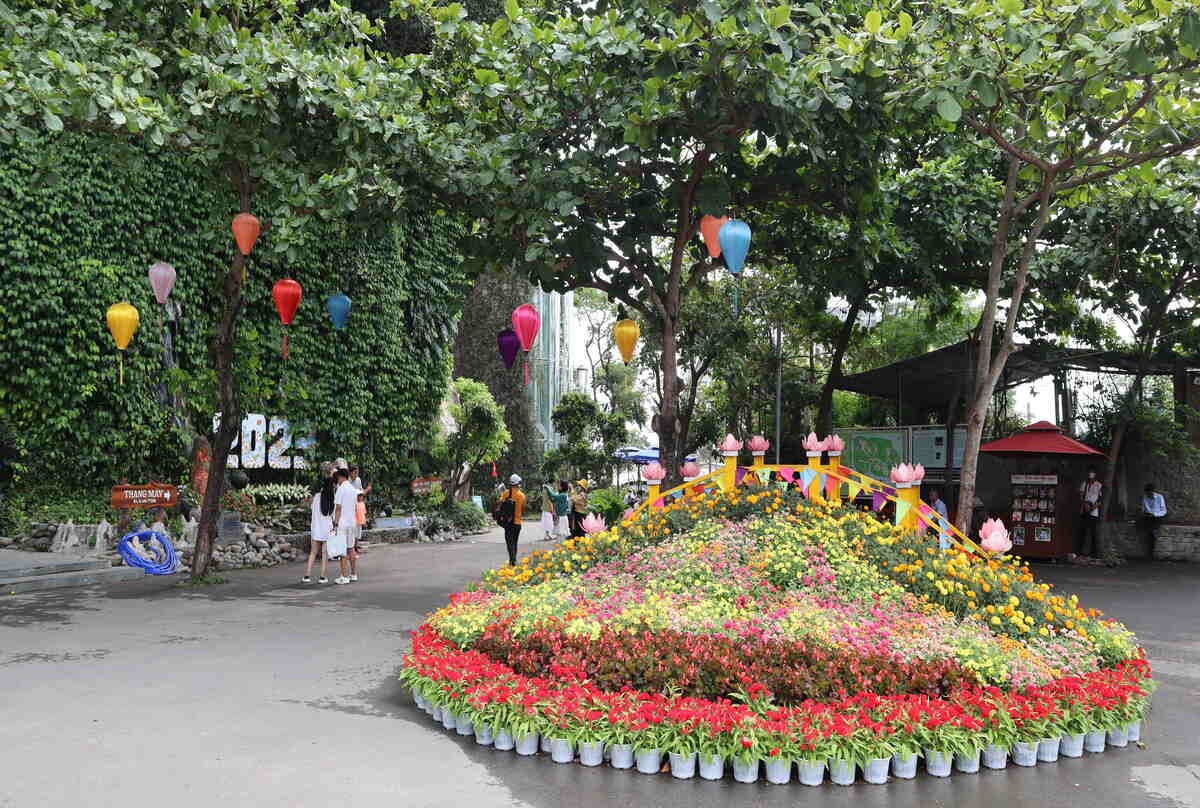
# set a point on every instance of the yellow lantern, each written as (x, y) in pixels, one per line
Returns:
(626, 333)
(122, 322)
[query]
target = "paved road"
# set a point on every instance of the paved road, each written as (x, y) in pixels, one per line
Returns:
(263, 692)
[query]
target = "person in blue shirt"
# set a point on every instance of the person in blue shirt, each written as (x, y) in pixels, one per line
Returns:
(1154, 509)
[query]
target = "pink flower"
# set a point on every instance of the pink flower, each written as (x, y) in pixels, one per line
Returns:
(994, 537)
(730, 444)
(628, 513)
(689, 469)
(654, 472)
(594, 523)
(759, 444)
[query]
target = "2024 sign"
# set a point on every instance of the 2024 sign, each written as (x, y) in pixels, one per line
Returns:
(260, 444)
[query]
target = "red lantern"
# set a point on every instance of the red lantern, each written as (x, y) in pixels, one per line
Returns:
(245, 231)
(526, 322)
(710, 226)
(287, 295)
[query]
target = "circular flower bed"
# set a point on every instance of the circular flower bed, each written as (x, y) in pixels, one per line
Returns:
(756, 626)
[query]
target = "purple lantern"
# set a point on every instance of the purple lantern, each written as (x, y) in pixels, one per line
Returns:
(509, 344)
(162, 280)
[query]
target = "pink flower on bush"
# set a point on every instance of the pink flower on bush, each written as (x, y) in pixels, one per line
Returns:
(654, 472)
(628, 513)
(730, 444)
(594, 523)
(759, 444)
(994, 537)
(689, 469)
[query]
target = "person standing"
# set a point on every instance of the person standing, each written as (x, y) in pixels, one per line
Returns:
(509, 515)
(939, 505)
(345, 506)
(357, 482)
(1154, 509)
(1091, 492)
(321, 525)
(560, 505)
(579, 506)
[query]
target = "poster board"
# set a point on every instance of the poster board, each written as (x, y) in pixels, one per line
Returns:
(874, 451)
(929, 446)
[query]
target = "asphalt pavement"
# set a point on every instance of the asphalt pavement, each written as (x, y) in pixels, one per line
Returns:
(266, 692)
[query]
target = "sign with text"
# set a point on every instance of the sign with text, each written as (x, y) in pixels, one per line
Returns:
(154, 495)
(262, 443)
(423, 486)
(874, 451)
(929, 446)
(1034, 479)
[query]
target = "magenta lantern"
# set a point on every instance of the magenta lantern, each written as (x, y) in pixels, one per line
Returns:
(509, 344)
(526, 322)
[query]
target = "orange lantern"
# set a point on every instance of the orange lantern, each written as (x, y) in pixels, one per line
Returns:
(122, 322)
(626, 333)
(245, 231)
(710, 226)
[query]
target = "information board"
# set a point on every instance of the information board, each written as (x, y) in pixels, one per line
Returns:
(873, 452)
(929, 446)
(154, 495)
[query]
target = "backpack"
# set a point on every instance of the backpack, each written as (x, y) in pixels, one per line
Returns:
(506, 512)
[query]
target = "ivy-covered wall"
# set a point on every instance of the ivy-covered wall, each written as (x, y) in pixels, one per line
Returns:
(81, 219)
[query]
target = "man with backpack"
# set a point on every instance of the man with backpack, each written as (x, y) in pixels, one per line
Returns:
(508, 515)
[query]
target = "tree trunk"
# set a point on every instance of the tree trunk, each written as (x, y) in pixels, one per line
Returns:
(668, 436)
(1110, 473)
(824, 424)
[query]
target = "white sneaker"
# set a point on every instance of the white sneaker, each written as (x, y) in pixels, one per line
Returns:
(322, 580)
(306, 580)
(341, 580)
(353, 577)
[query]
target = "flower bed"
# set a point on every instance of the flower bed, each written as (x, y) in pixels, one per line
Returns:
(757, 626)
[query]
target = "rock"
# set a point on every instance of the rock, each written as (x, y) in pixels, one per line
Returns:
(39, 544)
(6, 541)
(261, 544)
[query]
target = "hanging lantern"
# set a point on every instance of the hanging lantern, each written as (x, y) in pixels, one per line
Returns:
(710, 227)
(338, 306)
(526, 322)
(245, 231)
(508, 343)
(735, 243)
(122, 322)
(626, 333)
(162, 281)
(287, 295)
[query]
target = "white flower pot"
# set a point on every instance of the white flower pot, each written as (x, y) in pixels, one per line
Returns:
(1093, 741)
(562, 750)
(528, 745)
(937, 764)
(649, 761)
(812, 772)
(841, 772)
(1134, 731)
(436, 715)
(504, 741)
(967, 764)
(1048, 750)
(1118, 737)
(418, 698)
(545, 744)
(745, 772)
(683, 766)
(591, 753)
(483, 735)
(449, 719)
(779, 772)
(1071, 745)
(1025, 753)
(904, 767)
(995, 757)
(876, 770)
(463, 725)
(712, 767)
(622, 755)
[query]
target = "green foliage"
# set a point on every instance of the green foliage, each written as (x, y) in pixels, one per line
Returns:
(607, 502)
(83, 219)
(49, 501)
(590, 439)
(479, 434)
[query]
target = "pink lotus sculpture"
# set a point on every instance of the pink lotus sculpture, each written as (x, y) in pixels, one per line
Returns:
(904, 475)
(689, 470)
(730, 446)
(758, 445)
(814, 446)
(993, 537)
(918, 473)
(654, 472)
(594, 523)
(836, 444)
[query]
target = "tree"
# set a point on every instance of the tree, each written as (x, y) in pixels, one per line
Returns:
(610, 376)
(477, 434)
(269, 96)
(598, 139)
(591, 437)
(1067, 96)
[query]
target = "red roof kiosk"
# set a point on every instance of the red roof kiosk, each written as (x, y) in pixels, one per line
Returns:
(1046, 469)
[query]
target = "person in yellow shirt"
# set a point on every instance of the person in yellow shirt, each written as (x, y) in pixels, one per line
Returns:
(508, 514)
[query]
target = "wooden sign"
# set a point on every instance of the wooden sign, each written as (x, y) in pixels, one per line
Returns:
(154, 495)
(423, 486)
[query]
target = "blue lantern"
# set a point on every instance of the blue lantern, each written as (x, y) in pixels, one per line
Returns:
(338, 306)
(734, 237)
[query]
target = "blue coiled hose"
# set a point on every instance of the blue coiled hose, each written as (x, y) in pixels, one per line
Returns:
(164, 564)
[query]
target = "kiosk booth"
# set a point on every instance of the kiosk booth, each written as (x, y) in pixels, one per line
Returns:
(1045, 470)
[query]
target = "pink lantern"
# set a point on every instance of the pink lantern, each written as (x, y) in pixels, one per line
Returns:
(836, 444)
(730, 446)
(690, 470)
(758, 445)
(654, 472)
(593, 523)
(162, 281)
(993, 537)
(526, 321)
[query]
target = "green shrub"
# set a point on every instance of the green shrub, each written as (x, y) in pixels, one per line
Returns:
(607, 502)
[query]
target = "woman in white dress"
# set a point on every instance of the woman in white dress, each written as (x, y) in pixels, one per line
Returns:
(321, 525)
